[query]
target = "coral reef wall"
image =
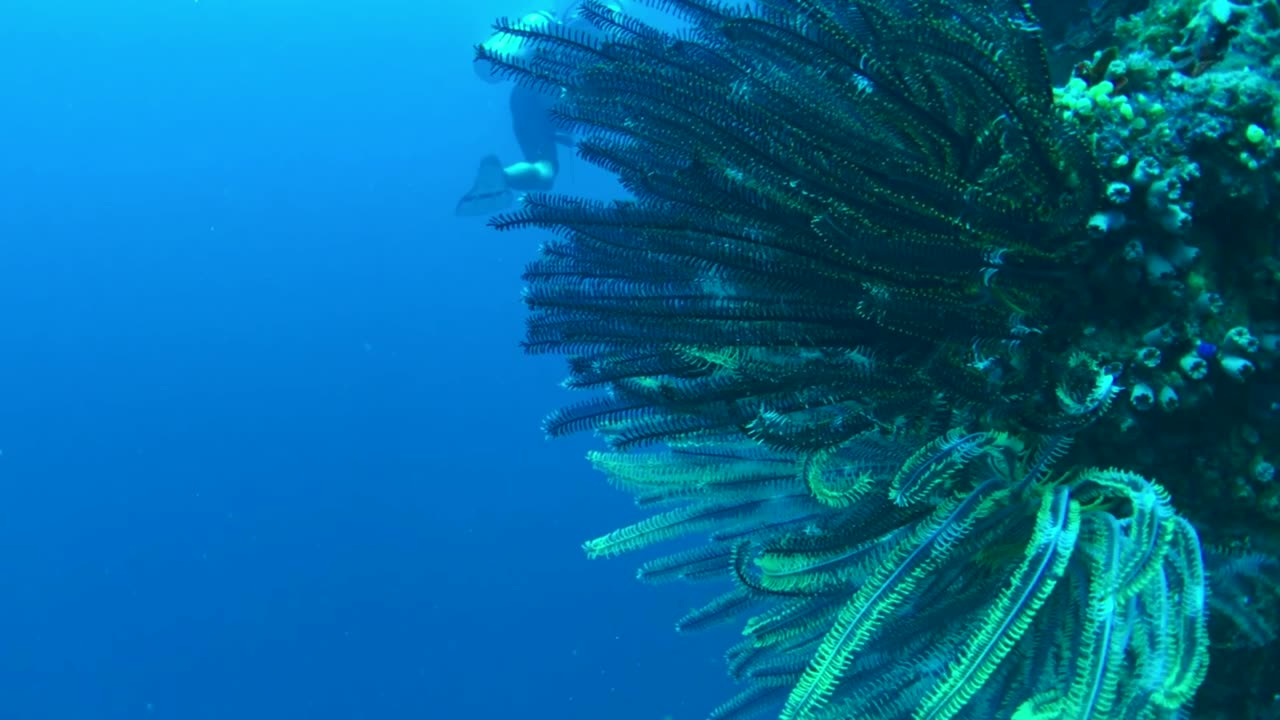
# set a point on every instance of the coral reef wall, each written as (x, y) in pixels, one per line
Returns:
(1183, 115)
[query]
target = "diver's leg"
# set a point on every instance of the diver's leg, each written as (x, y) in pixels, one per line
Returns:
(536, 135)
(527, 176)
(493, 188)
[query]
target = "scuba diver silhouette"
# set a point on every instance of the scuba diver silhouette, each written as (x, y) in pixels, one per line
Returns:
(539, 140)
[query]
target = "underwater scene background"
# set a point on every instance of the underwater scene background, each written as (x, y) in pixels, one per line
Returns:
(270, 447)
(936, 340)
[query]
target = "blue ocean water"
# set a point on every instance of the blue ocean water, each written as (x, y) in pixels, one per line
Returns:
(269, 446)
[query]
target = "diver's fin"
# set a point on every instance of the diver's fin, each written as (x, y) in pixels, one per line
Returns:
(489, 193)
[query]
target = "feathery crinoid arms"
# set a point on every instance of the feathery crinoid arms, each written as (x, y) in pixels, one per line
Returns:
(824, 330)
(1245, 594)
(1009, 592)
(840, 210)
